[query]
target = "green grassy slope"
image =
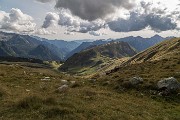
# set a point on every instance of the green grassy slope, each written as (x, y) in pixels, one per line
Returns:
(162, 60)
(93, 59)
(23, 96)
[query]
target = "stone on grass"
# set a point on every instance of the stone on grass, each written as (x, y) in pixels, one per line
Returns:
(136, 81)
(72, 82)
(64, 82)
(46, 79)
(169, 84)
(63, 88)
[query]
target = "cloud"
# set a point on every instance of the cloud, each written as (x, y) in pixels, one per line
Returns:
(69, 33)
(76, 24)
(159, 23)
(44, 31)
(146, 15)
(2, 16)
(134, 23)
(72, 23)
(44, 1)
(16, 21)
(155, 17)
(50, 19)
(149, 7)
(137, 22)
(93, 9)
(94, 33)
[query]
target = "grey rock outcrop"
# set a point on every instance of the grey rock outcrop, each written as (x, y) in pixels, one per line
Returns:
(169, 84)
(136, 81)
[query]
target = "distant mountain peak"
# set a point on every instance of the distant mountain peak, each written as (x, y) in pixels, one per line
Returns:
(156, 36)
(96, 57)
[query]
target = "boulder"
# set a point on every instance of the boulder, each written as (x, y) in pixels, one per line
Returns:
(136, 81)
(170, 84)
(63, 88)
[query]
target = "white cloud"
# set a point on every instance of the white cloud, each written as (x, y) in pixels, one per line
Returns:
(51, 19)
(44, 31)
(147, 15)
(138, 19)
(72, 23)
(76, 24)
(69, 33)
(16, 21)
(94, 33)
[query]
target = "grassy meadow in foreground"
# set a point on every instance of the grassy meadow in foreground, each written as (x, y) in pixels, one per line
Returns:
(24, 96)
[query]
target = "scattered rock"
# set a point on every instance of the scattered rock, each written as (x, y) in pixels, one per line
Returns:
(164, 93)
(72, 82)
(75, 84)
(46, 79)
(63, 88)
(64, 82)
(31, 74)
(27, 90)
(170, 84)
(136, 81)
(153, 92)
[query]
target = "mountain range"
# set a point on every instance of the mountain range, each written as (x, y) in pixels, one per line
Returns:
(139, 43)
(22, 46)
(26, 46)
(94, 58)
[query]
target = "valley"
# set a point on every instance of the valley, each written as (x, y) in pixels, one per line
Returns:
(25, 94)
(34, 89)
(89, 60)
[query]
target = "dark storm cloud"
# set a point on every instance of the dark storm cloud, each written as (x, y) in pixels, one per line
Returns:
(138, 22)
(149, 16)
(93, 9)
(158, 23)
(134, 23)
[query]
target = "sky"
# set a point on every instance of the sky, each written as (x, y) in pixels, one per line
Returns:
(90, 19)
